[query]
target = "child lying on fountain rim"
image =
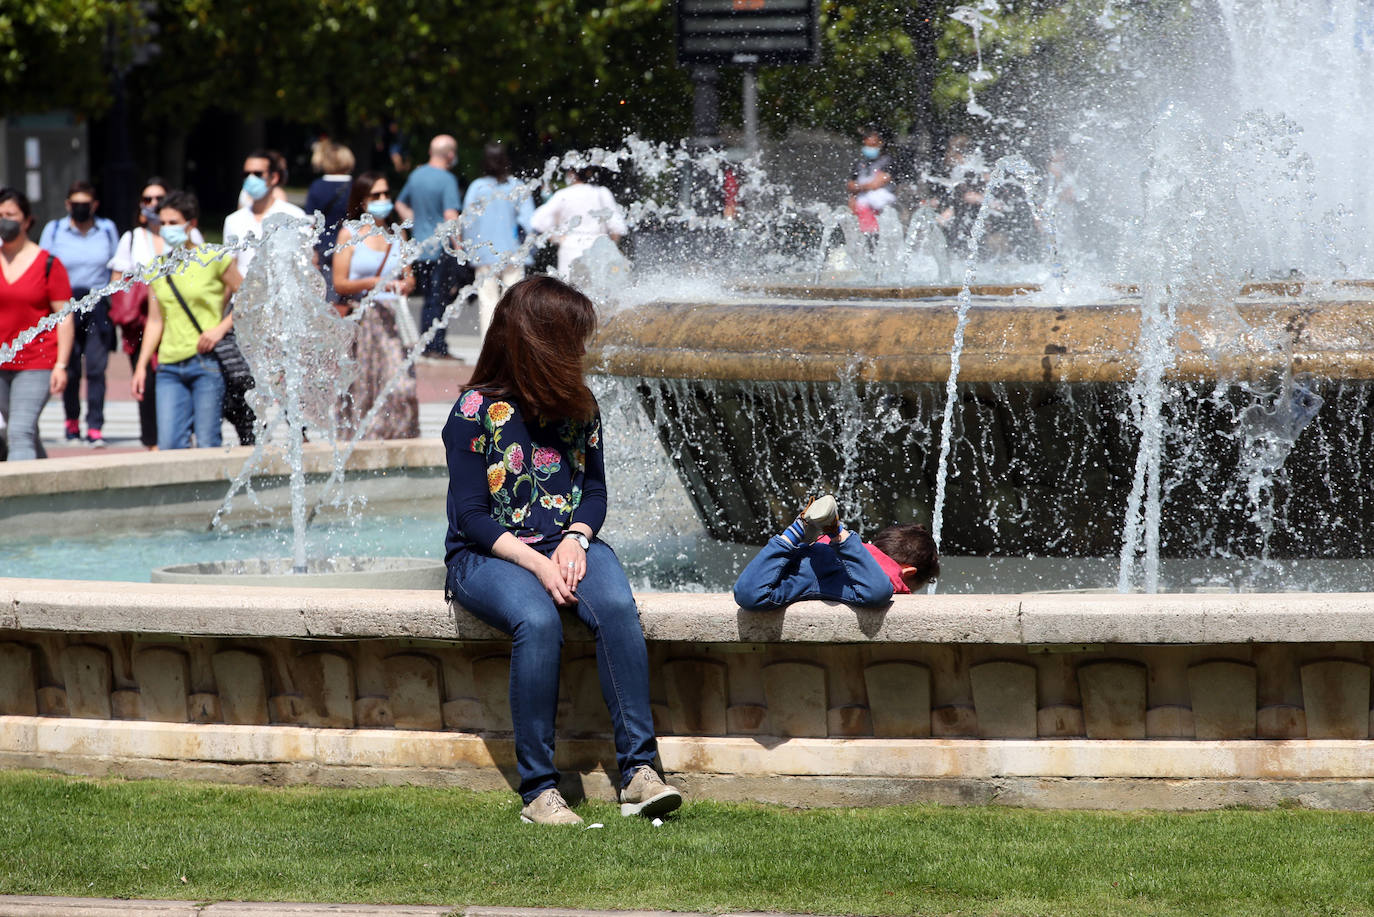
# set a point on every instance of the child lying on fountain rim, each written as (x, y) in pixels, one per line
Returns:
(816, 557)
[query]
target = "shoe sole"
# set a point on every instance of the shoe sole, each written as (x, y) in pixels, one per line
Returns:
(529, 821)
(653, 807)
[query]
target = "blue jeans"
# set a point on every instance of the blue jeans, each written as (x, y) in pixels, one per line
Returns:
(509, 598)
(190, 398)
(95, 338)
(23, 393)
(436, 280)
(781, 574)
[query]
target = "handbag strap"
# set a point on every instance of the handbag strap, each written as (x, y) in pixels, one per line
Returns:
(385, 255)
(189, 315)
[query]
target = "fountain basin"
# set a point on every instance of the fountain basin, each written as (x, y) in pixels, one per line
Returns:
(320, 573)
(1006, 341)
(1035, 700)
(762, 401)
(155, 490)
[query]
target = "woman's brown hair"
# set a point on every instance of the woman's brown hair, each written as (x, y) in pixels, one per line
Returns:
(360, 191)
(534, 348)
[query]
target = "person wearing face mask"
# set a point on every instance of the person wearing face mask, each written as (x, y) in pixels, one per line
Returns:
(85, 243)
(430, 198)
(33, 284)
(264, 174)
(373, 281)
(138, 248)
(868, 186)
(187, 317)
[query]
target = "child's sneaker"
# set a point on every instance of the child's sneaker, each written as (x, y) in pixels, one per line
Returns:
(95, 439)
(646, 794)
(821, 517)
(549, 808)
(73, 430)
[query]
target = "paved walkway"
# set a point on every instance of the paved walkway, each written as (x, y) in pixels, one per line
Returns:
(37, 906)
(439, 383)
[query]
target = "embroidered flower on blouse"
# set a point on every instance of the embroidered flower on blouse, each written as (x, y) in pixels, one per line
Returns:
(471, 404)
(499, 412)
(546, 501)
(496, 476)
(594, 439)
(546, 460)
(515, 458)
(478, 444)
(518, 515)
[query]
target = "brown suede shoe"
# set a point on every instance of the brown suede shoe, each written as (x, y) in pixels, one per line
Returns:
(646, 794)
(549, 808)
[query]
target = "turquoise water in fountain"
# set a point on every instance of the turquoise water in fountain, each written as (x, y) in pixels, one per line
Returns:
(680, 563)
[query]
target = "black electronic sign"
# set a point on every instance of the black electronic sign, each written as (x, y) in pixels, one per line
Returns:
(748, 33)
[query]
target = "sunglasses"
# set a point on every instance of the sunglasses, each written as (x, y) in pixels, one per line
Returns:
(378, 195)
(152, 198)
(260, 173)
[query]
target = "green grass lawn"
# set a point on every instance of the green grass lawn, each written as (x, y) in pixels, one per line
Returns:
(150, 839)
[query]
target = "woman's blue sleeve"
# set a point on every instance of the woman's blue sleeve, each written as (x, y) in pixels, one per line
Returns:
(469, 501)
(591, 511)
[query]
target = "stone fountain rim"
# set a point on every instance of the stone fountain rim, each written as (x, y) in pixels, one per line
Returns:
(132, 470)
(837, 289)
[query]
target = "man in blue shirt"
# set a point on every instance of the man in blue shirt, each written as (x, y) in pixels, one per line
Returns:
(85, 244)
(430, 197)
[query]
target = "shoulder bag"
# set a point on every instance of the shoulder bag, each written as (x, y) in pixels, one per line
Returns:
(237, 375)
(129, 306)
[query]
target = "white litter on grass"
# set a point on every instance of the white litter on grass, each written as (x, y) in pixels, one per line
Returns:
(658, 823)
(595, 824)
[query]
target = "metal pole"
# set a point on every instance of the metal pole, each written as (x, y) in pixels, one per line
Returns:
(751, 112)
(705, 124)
(705, 106)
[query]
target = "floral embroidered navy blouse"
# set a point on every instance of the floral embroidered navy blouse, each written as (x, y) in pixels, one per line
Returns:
(507, 475)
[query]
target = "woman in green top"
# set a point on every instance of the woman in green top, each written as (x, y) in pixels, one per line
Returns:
(190, 387)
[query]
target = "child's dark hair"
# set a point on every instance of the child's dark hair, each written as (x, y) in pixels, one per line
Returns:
(911, 545)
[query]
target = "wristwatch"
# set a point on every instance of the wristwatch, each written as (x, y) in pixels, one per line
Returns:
(581, 539)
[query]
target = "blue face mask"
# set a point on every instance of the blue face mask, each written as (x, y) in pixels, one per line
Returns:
(255, 187)
(380, 210)
(174, 236)
(872, 152)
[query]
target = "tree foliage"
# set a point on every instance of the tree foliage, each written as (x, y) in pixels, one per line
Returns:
(572, 72)
(54, 53)
(575, 68)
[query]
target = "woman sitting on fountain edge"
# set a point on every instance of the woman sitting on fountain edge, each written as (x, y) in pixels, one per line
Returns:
(526, 496)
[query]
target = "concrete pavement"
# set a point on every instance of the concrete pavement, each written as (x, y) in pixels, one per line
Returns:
(439, 384)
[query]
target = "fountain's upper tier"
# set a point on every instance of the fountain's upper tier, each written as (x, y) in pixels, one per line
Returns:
(1007, 339)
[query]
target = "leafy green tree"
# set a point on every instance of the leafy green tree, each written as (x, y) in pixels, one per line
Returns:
(57, 53)
(878, 64)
